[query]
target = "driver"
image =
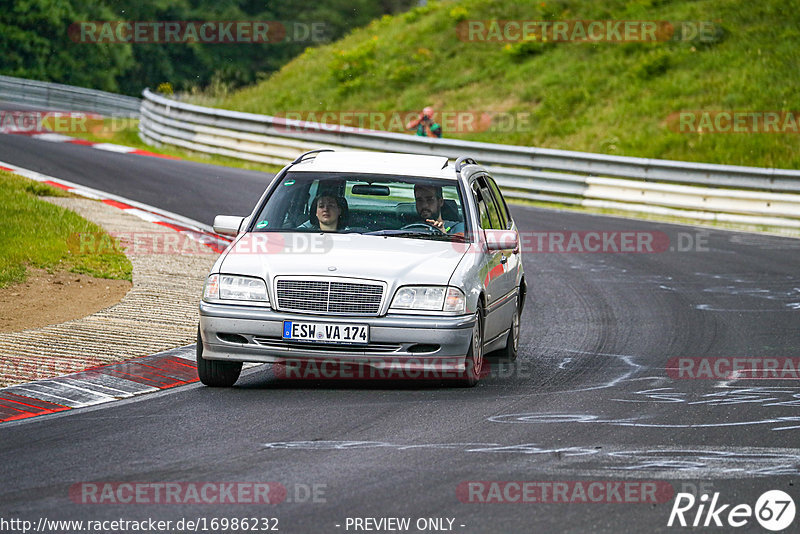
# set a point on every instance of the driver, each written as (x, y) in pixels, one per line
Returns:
(429, 201)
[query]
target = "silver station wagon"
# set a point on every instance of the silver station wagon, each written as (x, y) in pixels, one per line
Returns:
(402, 265)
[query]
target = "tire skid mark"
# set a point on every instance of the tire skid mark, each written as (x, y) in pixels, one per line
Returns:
(602, 461)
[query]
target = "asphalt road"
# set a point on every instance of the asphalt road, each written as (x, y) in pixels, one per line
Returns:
(590, 398)
(194, 190)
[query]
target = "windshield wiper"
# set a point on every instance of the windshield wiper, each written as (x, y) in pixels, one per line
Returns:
(417, 234)
(396, 232)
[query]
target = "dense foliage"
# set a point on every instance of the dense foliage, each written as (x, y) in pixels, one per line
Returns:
(36, 43)
(617, 98)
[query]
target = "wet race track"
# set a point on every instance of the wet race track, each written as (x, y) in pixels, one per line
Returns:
(635, 382)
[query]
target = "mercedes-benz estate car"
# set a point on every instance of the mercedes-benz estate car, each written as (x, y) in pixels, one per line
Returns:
(403, 264)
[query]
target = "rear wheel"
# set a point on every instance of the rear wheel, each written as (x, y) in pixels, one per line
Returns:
(474, 361)
(216, 373)
(509, 353)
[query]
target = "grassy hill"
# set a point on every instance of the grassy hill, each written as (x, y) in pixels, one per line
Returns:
(606, 97)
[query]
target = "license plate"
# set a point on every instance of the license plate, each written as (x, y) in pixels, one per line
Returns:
(326, 332)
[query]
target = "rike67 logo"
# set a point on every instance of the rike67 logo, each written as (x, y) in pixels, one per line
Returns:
(774, 510)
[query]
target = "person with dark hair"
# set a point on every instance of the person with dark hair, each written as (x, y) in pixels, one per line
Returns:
(429, 201)
(328, 212)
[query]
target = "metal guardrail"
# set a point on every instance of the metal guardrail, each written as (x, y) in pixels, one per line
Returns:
(702, 191)
(56, 96)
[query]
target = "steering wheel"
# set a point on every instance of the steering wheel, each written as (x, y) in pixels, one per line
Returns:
(422, 226)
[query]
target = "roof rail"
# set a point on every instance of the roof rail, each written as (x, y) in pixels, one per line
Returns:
(301, 157)
(462, 161)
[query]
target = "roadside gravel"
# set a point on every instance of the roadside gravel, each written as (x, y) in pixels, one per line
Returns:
(158, 313)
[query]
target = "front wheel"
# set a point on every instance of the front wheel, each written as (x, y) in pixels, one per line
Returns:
(216, 373)
(474, 361)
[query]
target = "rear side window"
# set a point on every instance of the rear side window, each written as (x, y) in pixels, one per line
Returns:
(502, 207)
(492, 217)
(483, 212)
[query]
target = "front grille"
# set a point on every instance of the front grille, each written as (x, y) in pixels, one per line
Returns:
(319, 296)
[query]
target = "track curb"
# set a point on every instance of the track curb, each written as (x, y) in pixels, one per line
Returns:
(157, 314)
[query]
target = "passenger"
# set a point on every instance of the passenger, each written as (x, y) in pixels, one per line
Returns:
(328, 213)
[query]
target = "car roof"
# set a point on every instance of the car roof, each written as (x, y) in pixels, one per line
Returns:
(378, 163)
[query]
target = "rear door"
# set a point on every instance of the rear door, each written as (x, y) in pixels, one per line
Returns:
(513, 265)
(494, 263)
(507, 264)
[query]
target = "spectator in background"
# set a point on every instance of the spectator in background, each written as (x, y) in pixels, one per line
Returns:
(425, 125)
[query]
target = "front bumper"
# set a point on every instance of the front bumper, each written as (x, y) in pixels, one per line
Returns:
(397, 341)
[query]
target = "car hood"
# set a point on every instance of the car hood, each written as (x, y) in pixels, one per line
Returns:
(395, 260)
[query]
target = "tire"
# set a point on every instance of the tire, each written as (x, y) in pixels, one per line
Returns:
(509, 352)
(475, 358)
(216, 373)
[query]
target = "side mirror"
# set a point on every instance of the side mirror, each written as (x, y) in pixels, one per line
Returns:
(228, 224)
(501, 239)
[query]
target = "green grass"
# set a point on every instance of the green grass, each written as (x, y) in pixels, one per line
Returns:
(609, 98)
(126, 133)
(38, 234)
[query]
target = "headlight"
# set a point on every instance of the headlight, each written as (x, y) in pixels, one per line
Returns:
(430, 298)
(243, 289)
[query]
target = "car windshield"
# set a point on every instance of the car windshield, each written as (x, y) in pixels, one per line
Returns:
(397, 206)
